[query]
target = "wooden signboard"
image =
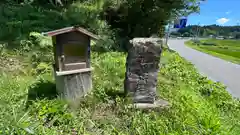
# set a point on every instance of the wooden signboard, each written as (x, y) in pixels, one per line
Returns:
(72, 66)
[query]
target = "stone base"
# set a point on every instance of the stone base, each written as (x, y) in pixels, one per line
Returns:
(159, 104)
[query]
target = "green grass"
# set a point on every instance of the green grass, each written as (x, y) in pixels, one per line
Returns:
(224, 42)
(29, 104)
(225, 49)
(199, 106)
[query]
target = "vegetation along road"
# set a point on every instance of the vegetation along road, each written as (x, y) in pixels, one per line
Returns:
(213, 67)
(228, 50)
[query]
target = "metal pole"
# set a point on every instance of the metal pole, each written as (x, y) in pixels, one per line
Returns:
(168, 33)
(198, 30)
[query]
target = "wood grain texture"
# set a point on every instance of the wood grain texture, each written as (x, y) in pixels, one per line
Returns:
(71, 47)
(73, 87)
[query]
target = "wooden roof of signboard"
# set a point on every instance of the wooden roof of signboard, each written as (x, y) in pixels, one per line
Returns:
(70, 29)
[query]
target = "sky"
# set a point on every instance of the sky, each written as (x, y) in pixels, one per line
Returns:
(220, 12)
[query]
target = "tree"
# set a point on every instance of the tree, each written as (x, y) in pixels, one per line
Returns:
(142, 18)
(236, 35)
(212, 30)
(186, 34)
(127, 18)
(175, 34)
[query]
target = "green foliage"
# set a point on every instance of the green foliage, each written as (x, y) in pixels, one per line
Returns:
(209, 43)
(17, 21)
(87, 15)
(232, 43)
(29, 103)
(51, 112)
(2, 50)
(105, 65)
(142, 18)
(39, 50)
(40, 41)
(41, 68)
(197, 42)
(214, 30)
(236, 35)
(225, 49)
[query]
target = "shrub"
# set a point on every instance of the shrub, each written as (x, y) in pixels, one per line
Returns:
(197, 42)
(3, 52)
(51, 112)
(134, 18)
(41, 68)
(17, 21)
(227, 52)
(39, 41)
(209, 43)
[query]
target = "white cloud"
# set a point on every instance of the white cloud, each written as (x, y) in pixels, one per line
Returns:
(222, 20)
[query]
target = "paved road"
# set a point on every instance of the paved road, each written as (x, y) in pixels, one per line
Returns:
(212, 67)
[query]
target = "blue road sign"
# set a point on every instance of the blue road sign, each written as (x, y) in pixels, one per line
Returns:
(180, 23)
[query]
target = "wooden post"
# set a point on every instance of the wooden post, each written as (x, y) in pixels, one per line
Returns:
(75, 85)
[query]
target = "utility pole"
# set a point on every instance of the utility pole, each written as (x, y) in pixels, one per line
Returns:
(197, 31)
(171, 22)
(170, 25)
(168, 33)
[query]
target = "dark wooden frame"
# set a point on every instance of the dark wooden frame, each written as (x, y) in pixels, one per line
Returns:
(70, 35)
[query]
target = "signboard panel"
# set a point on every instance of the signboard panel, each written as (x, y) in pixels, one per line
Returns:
(180, 23)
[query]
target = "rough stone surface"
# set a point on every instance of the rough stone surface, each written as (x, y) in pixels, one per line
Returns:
(142, 67)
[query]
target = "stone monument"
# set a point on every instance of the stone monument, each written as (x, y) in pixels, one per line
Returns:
(142, 67)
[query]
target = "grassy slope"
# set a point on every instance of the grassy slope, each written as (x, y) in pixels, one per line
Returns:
(199, 106)
(234, 43)
(226, 55)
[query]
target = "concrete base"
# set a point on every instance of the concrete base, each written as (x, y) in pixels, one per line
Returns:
(159, 104)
